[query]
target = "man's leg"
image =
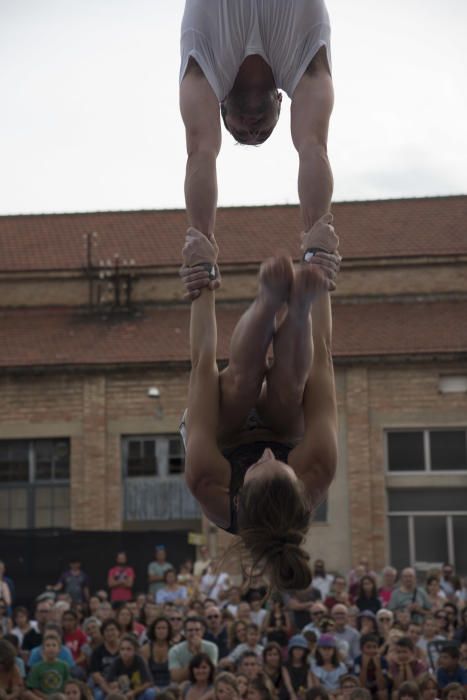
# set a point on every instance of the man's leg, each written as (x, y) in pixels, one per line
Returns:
(281, 402)
(241, 381)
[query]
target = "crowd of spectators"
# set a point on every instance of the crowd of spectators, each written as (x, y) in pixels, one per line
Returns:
(196, 633)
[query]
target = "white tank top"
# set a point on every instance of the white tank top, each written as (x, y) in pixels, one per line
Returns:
(220, 34)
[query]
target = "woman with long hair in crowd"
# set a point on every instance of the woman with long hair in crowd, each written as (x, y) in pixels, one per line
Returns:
(296, 673)
(156, 651)
(242, 683)
(428, 686)
(261, 688)
(237, 634)
(226, 687)
(367, 596)
(201, 678)
(261, 440)
(272, 664)
(77, 690)
(327, 668)
(127, 623)
(434, 592)
(277, 624)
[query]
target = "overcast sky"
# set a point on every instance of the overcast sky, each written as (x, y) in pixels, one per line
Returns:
(89, 118)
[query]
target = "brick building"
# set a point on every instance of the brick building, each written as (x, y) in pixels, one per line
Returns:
(94, 368)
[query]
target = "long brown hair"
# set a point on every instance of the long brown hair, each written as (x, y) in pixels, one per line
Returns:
(273, 519)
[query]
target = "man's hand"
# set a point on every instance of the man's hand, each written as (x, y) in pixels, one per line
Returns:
(199, 267)
(196, 278)
(330, 264)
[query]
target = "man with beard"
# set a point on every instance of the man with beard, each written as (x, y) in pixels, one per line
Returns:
(237, 56)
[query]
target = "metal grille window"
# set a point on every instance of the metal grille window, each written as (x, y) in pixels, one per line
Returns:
(430, 450)
(34, 483)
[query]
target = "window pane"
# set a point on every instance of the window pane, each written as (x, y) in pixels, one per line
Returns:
(61, 497)
(14, 460)
(459, 523)
(62, 459)
(405, 451)
(18, 519)
(176, 456)
(43, 517)
(399, 535)
(448, 449)
(18, 498)
(431, 543)
(43, 450)
(427, 499)
(61, 517)
(142, 459)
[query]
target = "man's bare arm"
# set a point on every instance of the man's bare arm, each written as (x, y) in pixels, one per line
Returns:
(200, 112)
(311, 108)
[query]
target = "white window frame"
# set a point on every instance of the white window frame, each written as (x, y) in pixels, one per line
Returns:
(426, 450)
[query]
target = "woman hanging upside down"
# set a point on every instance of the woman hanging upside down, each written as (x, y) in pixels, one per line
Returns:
(261, 438)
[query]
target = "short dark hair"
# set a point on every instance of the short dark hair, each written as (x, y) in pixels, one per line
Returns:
(131, 639)
(196, 661)
(451, 650)
(405, 643)
(365, 638)
(194, 618)
(317, 692)
(409, 688)
(107, 623)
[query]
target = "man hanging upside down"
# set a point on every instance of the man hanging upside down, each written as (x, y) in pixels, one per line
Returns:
(237, 55)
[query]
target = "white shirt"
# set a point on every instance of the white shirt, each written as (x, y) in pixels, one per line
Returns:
(220, 34)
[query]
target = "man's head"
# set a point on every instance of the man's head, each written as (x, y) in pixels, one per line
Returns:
(448, 572)
(69, 620)
(104, 611)
(110, 630)
(121, 559)
(449, 657)
(251, 114)
(369, 644)
(408, 579)
(339, 613)
(194, 629)
(75, 564)
(249, 665)
(213, 618)
(160, 553)
(404, 650)
(252, 634)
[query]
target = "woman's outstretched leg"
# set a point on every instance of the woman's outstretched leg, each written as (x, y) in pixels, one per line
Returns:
(241, 381)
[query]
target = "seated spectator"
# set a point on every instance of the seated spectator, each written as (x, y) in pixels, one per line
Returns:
(272, 664)
(186, 577)
(449, 668)
(13, 639)
(77, 690)
(249, 665)
(367, 596)
(408, 691)
(11, 683)
(148, 612)
(389, 649)
(354, 581)
(388, 583)
(277, 625)
(48, 675)
(93, 604)
(226, 687)
(127, 623)
(215, 583)
(428, 637)
(257, 612)
(256, 585)
(360, 694)
(64, 654)
(181, 654)
(318, 693)
(156, 652)
(21, 623)
(372, 668)
(449, 581)
(367, 622)
(296, 671)
(461, 594)
(428, 687)
(346, 684)
(237, 633)
(434, 592)
(405, 666)
(176, 621)
(243, 612)
(171, 591)
(5, 620)
(92, 630)
(344, 632)
(216, 631)
(321, 579)
(454, 691)
(121, 579)
(129, 673)
(33, 637)
(202, 562)
(74, 637)
(317, 614)
(338, 593)
(451, 611)
(463, 655)
(105, 611)
(442, 623)
(103, 657)
(327, 668)
(251, 644)
(384, 619)
(409, 596)
(232, 600)
(299, 603)
(200, 678)
(261, 688)
(414, 633)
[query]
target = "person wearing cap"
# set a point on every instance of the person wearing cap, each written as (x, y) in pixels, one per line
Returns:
(343, 631)
(157, 569)
(296, 673)
(327, 668)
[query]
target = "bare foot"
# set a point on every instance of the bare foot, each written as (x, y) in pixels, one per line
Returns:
(310, 282)
(276, 276)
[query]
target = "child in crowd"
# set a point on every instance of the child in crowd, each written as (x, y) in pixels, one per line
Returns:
(48, 676)
(251, 644)
(405, 666)
(454, 691)
(408, 691)
(428, 687)
(296, 672)
(129, 673)
(371, 668)
(327, 668)
(449, 668)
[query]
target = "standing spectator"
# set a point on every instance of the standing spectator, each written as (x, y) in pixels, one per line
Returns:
(156, 652)
(272, 664)
(215, 583)
(103, 657)
(7, 588)
(322, 580)
(74, 637)
(121, 579)
(370, 667)
(202, 562)
(5, 621)
(157, 569)
(257, 612)
(338, 593)
(232, 600)
(434, 592)
(22, 623)
(327, 668)
(171, 591)
(449, 668)
(216, 631)
(343, 632)
(11, 683)
(449, 581)
(367, 597)
(49, 675)
(388, 583)
(74, 582)
(362, 569)
(409, 596)
(129, 672)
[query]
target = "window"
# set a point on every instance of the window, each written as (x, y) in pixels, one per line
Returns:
(34, 483)
(153, 455)
(431, 450)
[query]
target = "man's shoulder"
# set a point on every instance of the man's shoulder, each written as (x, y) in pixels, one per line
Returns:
(207, 644)
(177, 648)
